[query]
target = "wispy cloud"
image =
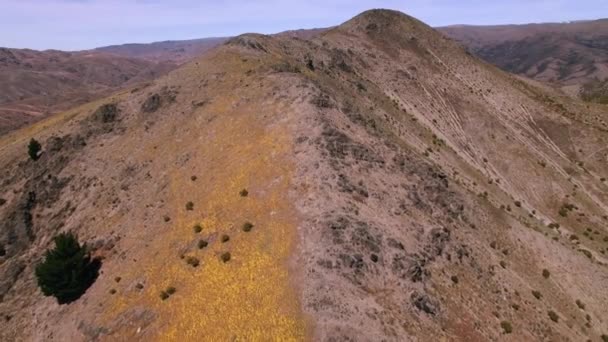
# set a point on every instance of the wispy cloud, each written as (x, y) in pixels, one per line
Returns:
(80, 24)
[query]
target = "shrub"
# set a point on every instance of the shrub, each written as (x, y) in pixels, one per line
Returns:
(247, 226)
(197, 228)
(112, 291)
(604, 338)
(193, 178)
(33, 149)
(117, 279)
(506, 327)
(454, 279)
(518, 204)
(503, 264)
(189, 206)
(537, 294)
(553, 316)
(167, 292)
(67, 271)
(546, 273)
(580, 304)
(225, 256)
(244, 193)
(225, 238)
(192, 261)
(202, 244)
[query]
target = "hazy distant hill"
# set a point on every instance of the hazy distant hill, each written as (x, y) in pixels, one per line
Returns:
(565, 53)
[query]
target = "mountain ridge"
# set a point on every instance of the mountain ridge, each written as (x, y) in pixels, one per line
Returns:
(398, 187)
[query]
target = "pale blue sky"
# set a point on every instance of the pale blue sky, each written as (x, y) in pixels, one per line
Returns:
(83, 24)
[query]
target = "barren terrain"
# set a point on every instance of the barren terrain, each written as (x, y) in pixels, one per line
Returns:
(399, 189)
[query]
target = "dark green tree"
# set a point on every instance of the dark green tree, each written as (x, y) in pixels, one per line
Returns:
(67, 270)
(33, 149)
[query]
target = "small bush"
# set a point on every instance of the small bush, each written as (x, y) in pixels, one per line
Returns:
(503, 264)
(604, 338)
(537, 294)
(515, 307)
(193, 178)
(454, 279)
(197, 228)
(117, 279)
(112, 291)
(192, 261)
(553, 316)
(202, 244)
(546, 273)
(67, 270)
(247, 226)
(506, 327)
(225, 238)
(244, 193)
(166, 218)
(518, 204)
(189, 206)
(225, 256)
(580, 304)
(167, 292)
(33, 149)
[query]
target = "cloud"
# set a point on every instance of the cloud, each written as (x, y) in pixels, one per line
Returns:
(79, 24)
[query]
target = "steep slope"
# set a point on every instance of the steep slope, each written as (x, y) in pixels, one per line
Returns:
(567, 53)
(399, 189)
(34, 84)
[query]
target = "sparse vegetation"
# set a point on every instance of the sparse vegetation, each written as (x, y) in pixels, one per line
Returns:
(189, 206)
(168, 292)
(546, 273)
(454, 279)
(537, 294)
(507, 328)
(247, 226)
(197, 228)
(33, 149)
(580, 304)
(553, 316)
(202, 244)
(244, 193)
(67, 270)
(225, 238)
(192, 261)
(225, 256)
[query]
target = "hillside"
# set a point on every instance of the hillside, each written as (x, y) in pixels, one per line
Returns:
(178, 51)
(34, 84)
(564, 53)
(399, 190)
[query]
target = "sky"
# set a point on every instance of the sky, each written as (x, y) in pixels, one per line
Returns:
(85, 24)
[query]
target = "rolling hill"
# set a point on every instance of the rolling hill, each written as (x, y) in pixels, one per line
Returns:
(573, 53)
(375, 182)
(34, 84)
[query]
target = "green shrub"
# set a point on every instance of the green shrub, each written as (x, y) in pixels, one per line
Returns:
(33, 149)
(67, 270)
